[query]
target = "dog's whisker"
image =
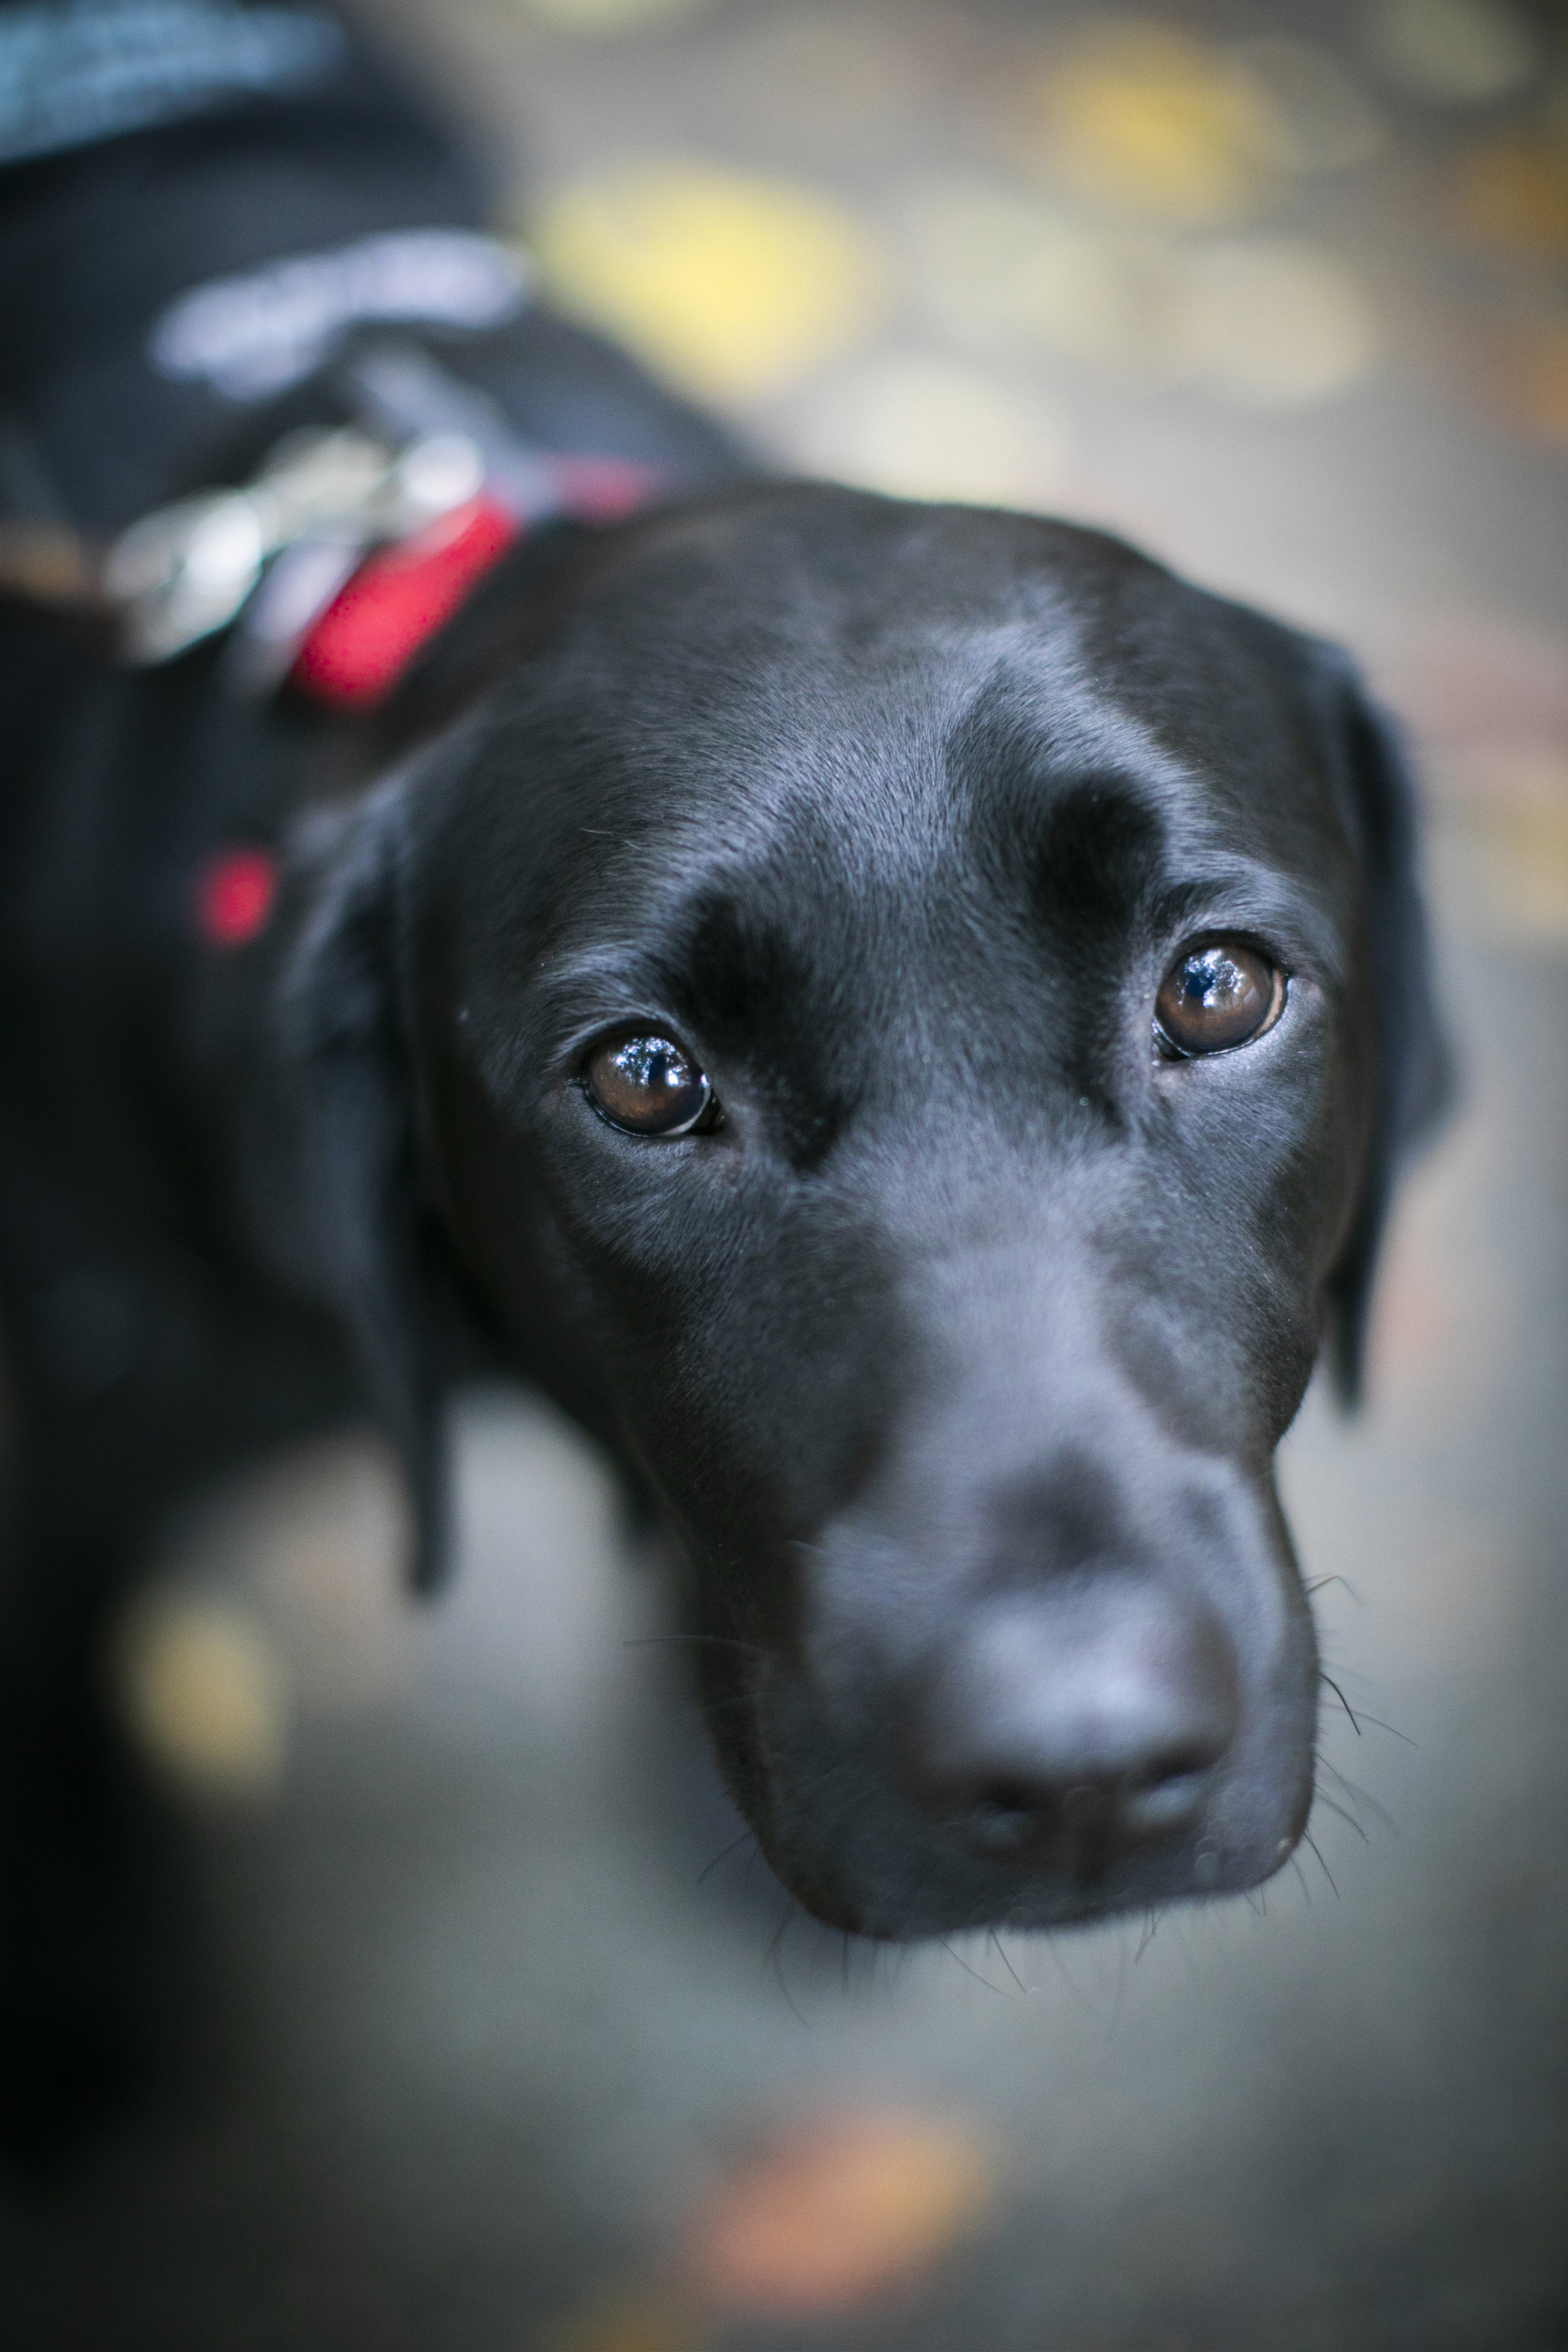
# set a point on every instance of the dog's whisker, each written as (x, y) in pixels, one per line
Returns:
(995, 1939)
(717, 1641)
(1343, 1701)
(1333, 1805)
(1307, 1840)
(773, 1959)
(977, 1974)
(1356, 1795)
(1392, 1730)
(725, 1852)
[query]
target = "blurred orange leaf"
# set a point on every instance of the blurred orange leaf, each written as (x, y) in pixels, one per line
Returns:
(837, 2211)
(1513, 195)
(636, 2323)
(1532, 379)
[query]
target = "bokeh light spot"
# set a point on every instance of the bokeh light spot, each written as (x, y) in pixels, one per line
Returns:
(205, 1695)
(604, 17)
(1452, 53)
(997, 272)
(1274, 323)
(1323, 119)
(1263, 322)
(837, 2211)
(644, 2322)
(1512, 195)
(730, 286)
(1135, 117)
(928, 427)
(1530, 378)
(1511, 837)
(235, 893)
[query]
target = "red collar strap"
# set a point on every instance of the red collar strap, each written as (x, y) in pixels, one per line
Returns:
(360, 622)
(353, 544)
(359, 644)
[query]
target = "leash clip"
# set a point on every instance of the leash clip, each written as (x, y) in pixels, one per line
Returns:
(188, 570)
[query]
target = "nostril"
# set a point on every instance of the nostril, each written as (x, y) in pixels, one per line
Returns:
(1079, 1823)
(1182, 1764)
(1167, 1796)
(1006, 1816)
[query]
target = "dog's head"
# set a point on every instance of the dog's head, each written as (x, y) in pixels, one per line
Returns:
(905, 1018)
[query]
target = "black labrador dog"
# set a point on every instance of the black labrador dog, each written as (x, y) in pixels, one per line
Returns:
(903, 1020)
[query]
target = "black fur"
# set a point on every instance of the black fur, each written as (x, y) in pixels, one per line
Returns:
(896, 815)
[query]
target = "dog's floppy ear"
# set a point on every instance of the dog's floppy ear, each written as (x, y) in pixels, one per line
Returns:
(351, 1223)
(1414, 1072)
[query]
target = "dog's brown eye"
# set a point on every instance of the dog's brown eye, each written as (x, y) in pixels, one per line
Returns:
(1218, 996)
(650, 1086)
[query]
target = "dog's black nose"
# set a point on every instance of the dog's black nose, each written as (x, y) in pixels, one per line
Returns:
(1069, 1727)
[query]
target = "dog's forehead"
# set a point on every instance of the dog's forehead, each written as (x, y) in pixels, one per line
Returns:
(828, 718)
(845, 586)
(824, 664)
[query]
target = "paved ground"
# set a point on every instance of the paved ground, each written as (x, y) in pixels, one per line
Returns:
(484, 2039)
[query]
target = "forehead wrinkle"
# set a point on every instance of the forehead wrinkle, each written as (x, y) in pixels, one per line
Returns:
(1060, 728)
(815, 788)
(836, 845)
(1052, 696)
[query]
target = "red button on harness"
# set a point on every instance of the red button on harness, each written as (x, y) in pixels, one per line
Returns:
(234, 894)
(359, 645)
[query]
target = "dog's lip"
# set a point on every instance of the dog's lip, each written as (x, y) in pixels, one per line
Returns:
(1030, 1900)
(937, 1888)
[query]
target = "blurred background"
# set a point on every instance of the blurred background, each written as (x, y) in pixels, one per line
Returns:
(500, 2039)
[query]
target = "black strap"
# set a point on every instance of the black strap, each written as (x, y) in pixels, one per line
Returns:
(98, 238)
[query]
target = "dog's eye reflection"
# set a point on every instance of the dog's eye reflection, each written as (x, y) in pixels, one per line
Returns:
(1221, 994)
(648, 1086)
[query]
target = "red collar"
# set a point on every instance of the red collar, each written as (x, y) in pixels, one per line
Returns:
(359, 645)
(356, 645)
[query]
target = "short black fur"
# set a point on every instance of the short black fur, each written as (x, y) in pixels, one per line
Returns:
(952, 1361)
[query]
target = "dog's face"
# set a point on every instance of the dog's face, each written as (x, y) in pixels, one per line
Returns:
(900, 1029)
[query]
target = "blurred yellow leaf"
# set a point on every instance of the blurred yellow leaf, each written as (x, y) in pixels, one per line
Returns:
(1136, 117)
(730, 286)
(205, 1695)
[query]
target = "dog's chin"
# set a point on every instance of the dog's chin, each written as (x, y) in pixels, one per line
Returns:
(884, 1875)
(902, 1913)
(846, 1832)
(1038, 1908)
